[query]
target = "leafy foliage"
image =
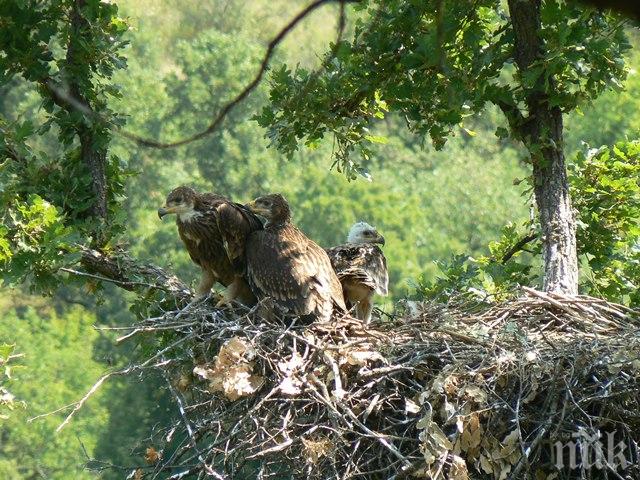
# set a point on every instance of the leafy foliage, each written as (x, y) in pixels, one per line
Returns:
(185, 59)
(67, 51)
(8, 401)
(56, 370)
(487, 277)
(437, 64)
(35, 244)
(606, 188)
(606, 192)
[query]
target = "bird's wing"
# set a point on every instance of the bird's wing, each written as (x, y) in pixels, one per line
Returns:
(289, 267)
(327, 274)
(235, 223)
(362, 263)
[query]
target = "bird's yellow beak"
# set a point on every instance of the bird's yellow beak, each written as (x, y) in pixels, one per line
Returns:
(165, 211)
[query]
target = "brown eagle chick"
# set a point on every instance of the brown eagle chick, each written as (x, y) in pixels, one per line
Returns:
(285, 265)
(214, 230)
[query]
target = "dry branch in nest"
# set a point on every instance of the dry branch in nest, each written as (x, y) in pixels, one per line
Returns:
(441, 391)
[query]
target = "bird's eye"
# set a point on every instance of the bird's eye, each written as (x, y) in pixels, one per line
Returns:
(368, 233)
(177, 200)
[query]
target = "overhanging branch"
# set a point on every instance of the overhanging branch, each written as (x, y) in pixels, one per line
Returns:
(519, 246)
(515, 118)
(62, 97)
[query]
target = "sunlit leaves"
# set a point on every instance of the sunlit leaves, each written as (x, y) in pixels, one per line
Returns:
(35, 243)
(8, 401)
(606, 190)
(605, 187)
(434, 63)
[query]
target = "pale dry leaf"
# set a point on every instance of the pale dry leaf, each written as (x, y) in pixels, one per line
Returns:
(290, 386)
(533, 392)
(232, 371)
(475, 393)
(459, 423)
(234, 350)
(458, 469)
(291, 365)
(317, 448)
(510, 444)
(239, 382)
(506, 358)
(448, 409)
(434, 443)
(359, 357)
(451, 385)
(410, 406)
(183, 382)
(151, 455)
(204, 372)
(472, 433)
(486, 464)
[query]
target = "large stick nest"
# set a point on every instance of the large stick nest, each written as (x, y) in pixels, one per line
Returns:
(455, 391)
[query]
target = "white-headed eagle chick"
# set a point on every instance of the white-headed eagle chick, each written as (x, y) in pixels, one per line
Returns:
(362, 268)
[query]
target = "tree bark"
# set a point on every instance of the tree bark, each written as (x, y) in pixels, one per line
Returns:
(130, 275)
(94, 158)
(542, 134)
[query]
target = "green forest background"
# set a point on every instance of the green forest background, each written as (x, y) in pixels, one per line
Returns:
(185, 59)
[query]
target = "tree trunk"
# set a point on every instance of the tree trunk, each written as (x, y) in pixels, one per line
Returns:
(93, 157)
(541, 132)
(551, 188)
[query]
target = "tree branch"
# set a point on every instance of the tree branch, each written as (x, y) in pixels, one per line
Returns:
(515, 118)
(519, 246)
(93, 157)
(67, 99)
(250, 87)
(124, 272)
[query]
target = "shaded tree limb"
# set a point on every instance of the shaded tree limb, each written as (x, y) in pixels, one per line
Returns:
(518, 246)
(514, 117)
(124, 272)
(94, 158)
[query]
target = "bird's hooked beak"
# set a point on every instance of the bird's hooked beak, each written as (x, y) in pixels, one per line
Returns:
(164, 211)
(380, 240)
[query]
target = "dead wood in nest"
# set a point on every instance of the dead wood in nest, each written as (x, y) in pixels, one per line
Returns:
(438, 391)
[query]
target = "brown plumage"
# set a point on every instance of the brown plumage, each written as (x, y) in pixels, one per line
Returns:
(286, 266)
(361, 267)
(214, 229)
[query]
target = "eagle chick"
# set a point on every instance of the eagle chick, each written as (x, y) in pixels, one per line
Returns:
(361, 267)
(285, 265)
(214, 230)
